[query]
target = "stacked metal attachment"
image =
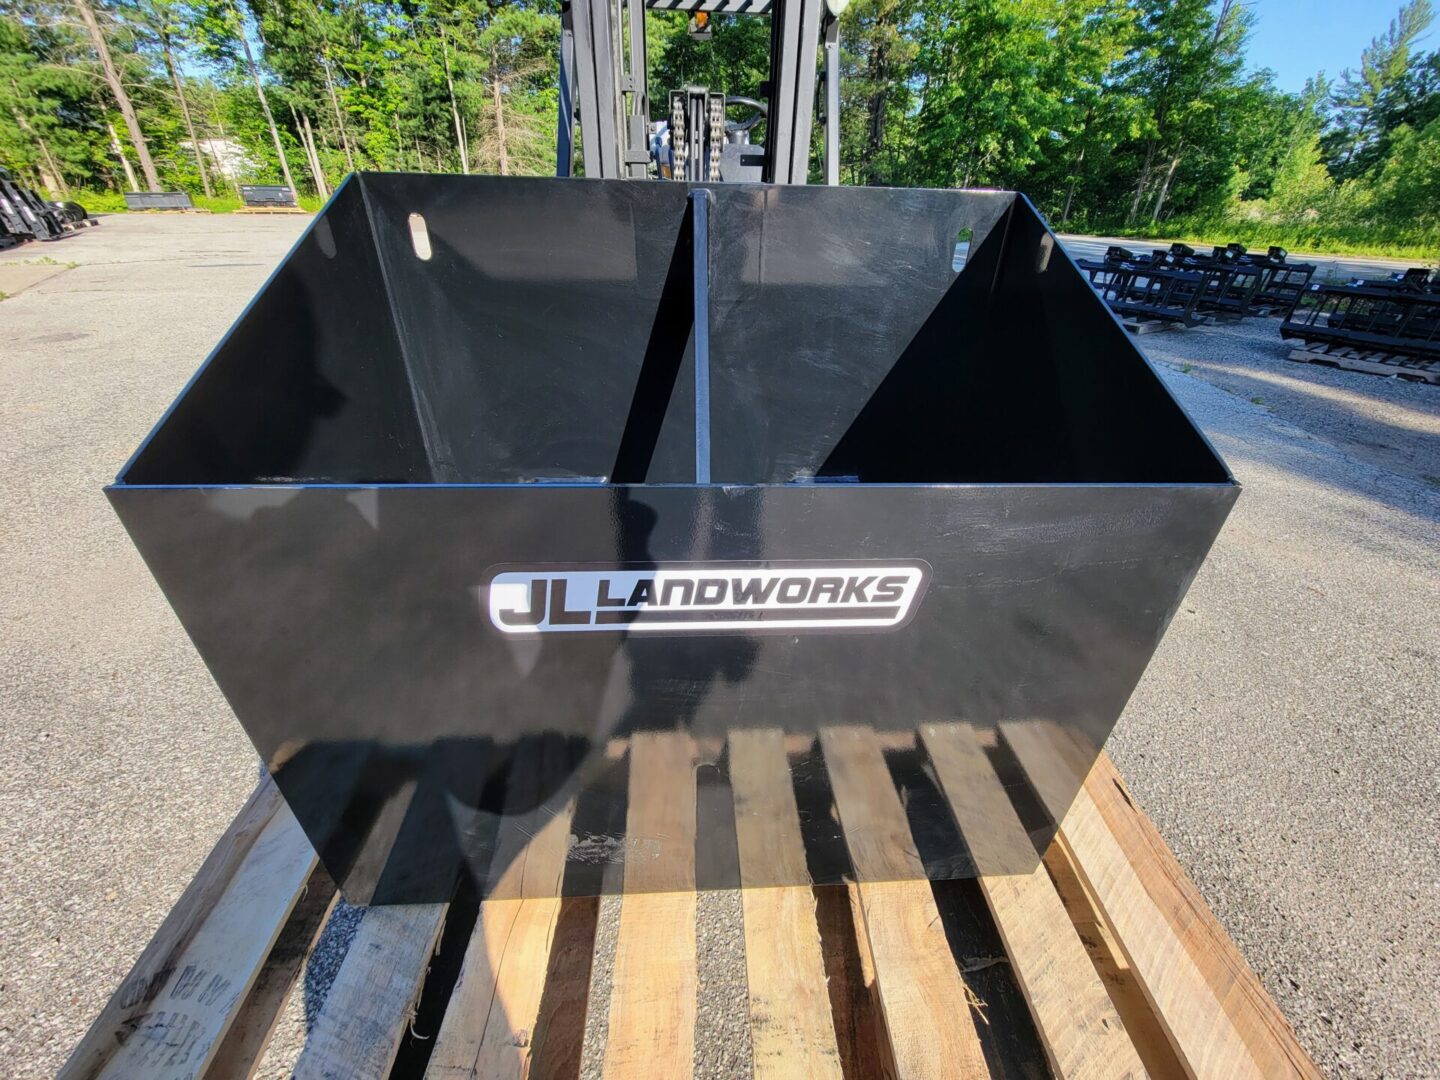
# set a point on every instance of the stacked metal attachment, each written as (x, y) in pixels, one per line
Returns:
(1395, 318)
(499, 477)
(158, 200)
(1178, 286)
(24, 215)
(267, 195)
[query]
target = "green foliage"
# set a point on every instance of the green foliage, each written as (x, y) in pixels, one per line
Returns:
(1356, 138)
(1120, 116)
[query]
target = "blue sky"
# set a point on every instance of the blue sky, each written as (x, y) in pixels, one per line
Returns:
(1296, 38)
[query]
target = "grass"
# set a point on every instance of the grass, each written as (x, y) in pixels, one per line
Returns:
(1420, 246)
(113, 202)
(43, 260)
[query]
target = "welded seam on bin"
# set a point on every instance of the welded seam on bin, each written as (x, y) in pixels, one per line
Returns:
(1004, 249)
(424, 419)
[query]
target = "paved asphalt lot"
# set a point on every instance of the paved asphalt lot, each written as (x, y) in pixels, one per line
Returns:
(1285, 738)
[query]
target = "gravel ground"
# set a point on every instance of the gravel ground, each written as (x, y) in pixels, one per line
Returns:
(1286, 736)
(1284, 739)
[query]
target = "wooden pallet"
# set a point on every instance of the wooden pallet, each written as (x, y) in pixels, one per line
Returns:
(1106, 963)
(1139, 327)
(1373, 363)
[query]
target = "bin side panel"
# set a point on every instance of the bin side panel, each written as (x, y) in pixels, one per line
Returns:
(815, 292)
(1049, 327)
(307, 385)
(547, 313)
(1022, 376)
(352, 632)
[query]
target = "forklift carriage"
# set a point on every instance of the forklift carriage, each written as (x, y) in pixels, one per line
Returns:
(494, 474)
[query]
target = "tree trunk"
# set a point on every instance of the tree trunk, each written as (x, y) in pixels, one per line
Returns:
(51, 179)
(455, 106)
(124, 161)
(1070, 192)
(122, 99)
(220, 127)
(320, 180)
(499, 111)
(185, 113)
(1140, 187)
(307, 144)
(56, 177)
(339, 116)
(1165, 184)
(265, 108)
(880, 76)
(877, 74)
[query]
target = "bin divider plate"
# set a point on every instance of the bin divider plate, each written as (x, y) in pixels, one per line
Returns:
(700, 223)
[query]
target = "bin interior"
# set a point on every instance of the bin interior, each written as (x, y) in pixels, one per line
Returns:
(433, 329)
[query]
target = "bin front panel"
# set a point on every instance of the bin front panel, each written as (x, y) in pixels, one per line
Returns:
(353, 632)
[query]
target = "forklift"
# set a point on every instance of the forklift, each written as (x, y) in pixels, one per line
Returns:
(604, 88)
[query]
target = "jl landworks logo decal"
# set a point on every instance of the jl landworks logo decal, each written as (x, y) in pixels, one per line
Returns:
(705, 597)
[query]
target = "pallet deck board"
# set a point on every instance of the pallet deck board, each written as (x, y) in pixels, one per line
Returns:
(926, 1003)
(255, 1021)
(1141, 1024)
(369, 1007)
(1218, 1019)
(1078, 1024)
(656, 974)
(1250, 1009)
(157, 968)
(490, 1028)
(1122, 969)
(1407, 367)
(792, 1031)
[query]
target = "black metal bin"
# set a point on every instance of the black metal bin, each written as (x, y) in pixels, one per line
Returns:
(496, 476)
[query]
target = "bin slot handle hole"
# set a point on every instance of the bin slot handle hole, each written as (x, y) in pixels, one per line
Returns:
(961, 251)
(420, 237)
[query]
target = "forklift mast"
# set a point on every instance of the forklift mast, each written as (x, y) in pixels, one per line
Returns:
(603, 84)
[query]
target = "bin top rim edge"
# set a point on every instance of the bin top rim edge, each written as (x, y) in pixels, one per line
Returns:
(1229, 482)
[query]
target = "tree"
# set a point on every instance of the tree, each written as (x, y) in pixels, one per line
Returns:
(161, 23)
(880, 52)
(516, 128)
(1189, 56)
(1383, 65)
(117, 89)
(51, 126)
(219, 28)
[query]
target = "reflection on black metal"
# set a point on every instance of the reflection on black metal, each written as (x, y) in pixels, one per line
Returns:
(443, 532)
